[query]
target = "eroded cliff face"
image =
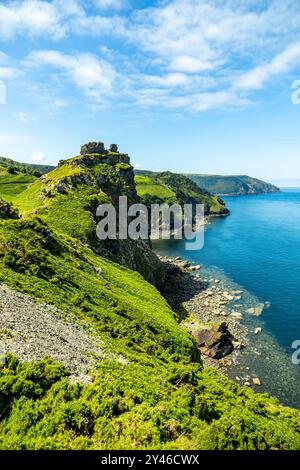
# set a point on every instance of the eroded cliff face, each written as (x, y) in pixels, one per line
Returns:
(98, 178)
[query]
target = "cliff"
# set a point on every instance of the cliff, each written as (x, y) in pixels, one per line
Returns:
(174, 188)
(95, 356)
(232, 185)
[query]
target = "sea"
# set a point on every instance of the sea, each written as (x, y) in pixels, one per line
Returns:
(257, 250)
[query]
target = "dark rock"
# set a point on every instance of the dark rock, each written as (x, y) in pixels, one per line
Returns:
(216, 341)
(113, 148)
(92, 147)
(60, 188)
(7, 211)
(171, 268)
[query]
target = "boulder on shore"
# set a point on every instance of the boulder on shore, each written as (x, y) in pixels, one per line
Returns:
(256, 381)
(216, 341)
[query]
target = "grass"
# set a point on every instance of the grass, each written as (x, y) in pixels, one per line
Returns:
(31, 199)
(159, 396)
(13, 185)
(146, 185)
(173, 188)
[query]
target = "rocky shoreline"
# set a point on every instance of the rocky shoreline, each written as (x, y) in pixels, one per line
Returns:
(209, 311)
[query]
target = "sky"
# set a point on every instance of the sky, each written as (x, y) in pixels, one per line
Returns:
(194, 86)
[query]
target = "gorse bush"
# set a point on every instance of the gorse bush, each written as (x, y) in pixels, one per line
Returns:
(149, 391)
(25, 249)
(128, 407)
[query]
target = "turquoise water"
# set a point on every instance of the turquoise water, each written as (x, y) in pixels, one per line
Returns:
(258, 248)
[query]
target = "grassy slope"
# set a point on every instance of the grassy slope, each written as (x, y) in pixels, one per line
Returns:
(231, 184)
(160, 397)
(8, 162)
(148, 185)
(13, 185)
(173, 188)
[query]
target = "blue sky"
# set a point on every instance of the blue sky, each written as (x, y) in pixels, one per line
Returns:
(196, 86)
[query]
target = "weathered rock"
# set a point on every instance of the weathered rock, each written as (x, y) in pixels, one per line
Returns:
(230, 298)
(113, 148)
(216, 341)
(92, 147)
(238, 345)
(7, 211)
(194, 268)
(184, 264)
(236, 315)
(256, 381)
(257, 310)
(60, 188)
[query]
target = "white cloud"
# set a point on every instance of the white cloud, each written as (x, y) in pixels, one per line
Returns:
(281, 63)
(185, 63)
(30, 17)
(6, 69)
(53, 19)
(38, 157)
(88, 72)
(6, 72)
(169, 80)
(194, 55)
(109, 3)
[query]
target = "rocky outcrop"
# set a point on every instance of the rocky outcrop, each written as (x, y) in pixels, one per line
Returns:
(113, 148)
(94, 153)
(7, 211)
(90, 160)
(214, 341)
(109, 175)
(92, 147)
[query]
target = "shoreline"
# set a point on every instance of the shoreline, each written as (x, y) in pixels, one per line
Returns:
(202, 305)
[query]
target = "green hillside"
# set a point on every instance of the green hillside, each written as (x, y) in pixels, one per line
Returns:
(13, 181)
(8, 162)
(173, 188)
(149, 391)
(232, 185)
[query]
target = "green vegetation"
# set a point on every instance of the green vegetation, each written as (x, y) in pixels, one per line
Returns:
(232, 185)
(154, 187)
(173, 188)
(8, 162)
(14, 181)
(135, 406)
(150, 391)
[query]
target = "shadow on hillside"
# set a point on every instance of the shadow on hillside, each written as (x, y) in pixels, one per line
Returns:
(179, 288)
